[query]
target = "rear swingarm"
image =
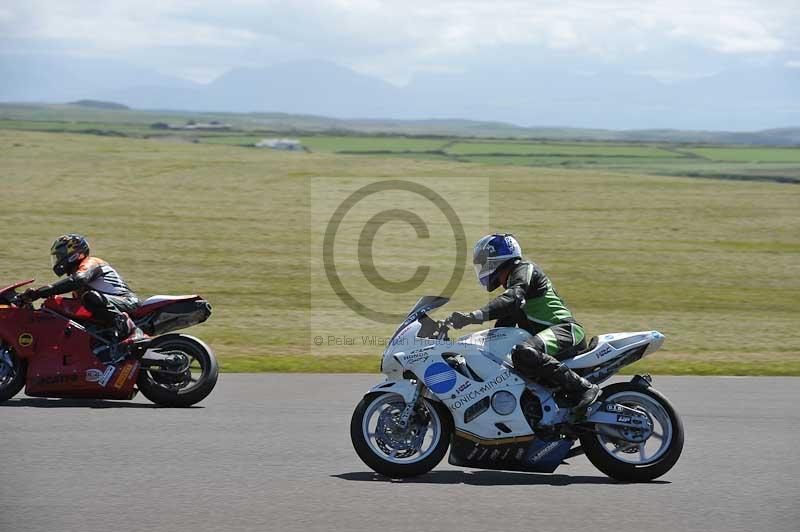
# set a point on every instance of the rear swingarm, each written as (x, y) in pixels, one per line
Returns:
(157, 361)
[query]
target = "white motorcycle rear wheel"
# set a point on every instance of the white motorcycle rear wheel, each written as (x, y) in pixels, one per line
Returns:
(638, 462)
(394, 451)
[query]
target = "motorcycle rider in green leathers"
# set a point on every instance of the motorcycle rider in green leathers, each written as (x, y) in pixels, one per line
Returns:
(531, 302)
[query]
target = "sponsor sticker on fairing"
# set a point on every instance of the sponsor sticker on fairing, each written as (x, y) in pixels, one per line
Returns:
(544, 451)
(49, 380)
(25, 339)
(93, 375)
(440, 377)
(415, 356)
(603, 352)
(106, 376)
(470, 396)
(127, 369)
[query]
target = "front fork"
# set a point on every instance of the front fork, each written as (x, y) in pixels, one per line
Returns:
(411, 406)
(6, 362)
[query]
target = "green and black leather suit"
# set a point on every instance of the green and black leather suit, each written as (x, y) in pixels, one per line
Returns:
(531, 302)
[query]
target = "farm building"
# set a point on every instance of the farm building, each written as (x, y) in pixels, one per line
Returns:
(193, 126)
(280, 144)
(210, 126)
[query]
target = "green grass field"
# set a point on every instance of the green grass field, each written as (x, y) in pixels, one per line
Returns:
(713, 264)
(752, 155)
(556, 149)
(320, 135)
(367, 144)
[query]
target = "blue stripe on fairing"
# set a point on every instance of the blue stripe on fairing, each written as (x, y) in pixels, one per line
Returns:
(438, 378)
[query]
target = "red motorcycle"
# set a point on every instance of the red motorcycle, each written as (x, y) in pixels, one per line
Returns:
(49, 351)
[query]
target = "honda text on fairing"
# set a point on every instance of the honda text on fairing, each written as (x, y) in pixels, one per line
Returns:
(465, 395)
(49, 351)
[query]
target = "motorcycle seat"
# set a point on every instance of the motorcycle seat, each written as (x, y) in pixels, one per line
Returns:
(155, 302)
(570, 354)
(591, 345)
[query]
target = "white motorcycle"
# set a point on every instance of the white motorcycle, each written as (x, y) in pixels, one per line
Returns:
(465, 395)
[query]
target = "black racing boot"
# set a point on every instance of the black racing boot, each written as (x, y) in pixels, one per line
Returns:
(123, 326)
(577, 389)
(123, 333)
(543, 367)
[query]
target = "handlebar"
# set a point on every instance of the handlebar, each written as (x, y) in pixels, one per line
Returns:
(20, 302)
(444, 326)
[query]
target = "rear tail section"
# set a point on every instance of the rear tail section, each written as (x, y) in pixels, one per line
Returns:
(174, 315)
(613, 352)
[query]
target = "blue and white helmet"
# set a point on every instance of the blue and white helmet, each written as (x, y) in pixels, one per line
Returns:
(491, 252)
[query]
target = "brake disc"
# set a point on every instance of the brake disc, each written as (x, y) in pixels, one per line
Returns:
(6, 364)
(391, 437)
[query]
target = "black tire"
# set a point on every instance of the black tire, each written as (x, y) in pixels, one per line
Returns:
(165, 395)
(624, 471)
(11, 387)
(391, 469)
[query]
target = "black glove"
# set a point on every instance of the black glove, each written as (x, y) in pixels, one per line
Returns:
(30, 295)
(459, 319)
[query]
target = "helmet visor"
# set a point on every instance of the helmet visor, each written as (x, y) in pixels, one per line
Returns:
(54, 258)
(482, 275)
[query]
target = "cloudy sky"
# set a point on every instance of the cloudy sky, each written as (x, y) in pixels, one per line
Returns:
(199, 40)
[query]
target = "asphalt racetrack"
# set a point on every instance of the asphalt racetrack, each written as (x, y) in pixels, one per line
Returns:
(272, 452)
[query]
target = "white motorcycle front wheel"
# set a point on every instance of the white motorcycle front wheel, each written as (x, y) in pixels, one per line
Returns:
(394, 450)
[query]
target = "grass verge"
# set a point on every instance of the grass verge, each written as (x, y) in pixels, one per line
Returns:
(695, 259)
(369, 364)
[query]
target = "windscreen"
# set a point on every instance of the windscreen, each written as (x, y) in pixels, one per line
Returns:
(423, 306)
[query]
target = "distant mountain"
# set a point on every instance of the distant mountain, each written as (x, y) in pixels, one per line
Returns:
(59, 78)
(754, 98)
(312, 87)
(746, 99)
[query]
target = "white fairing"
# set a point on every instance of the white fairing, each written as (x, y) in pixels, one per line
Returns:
(499, 342)
(487, 355)
(611, 346)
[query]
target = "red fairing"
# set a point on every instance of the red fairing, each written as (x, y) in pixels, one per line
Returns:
(16, 285)
(69, 307)
(90, 380)
(59, 356)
